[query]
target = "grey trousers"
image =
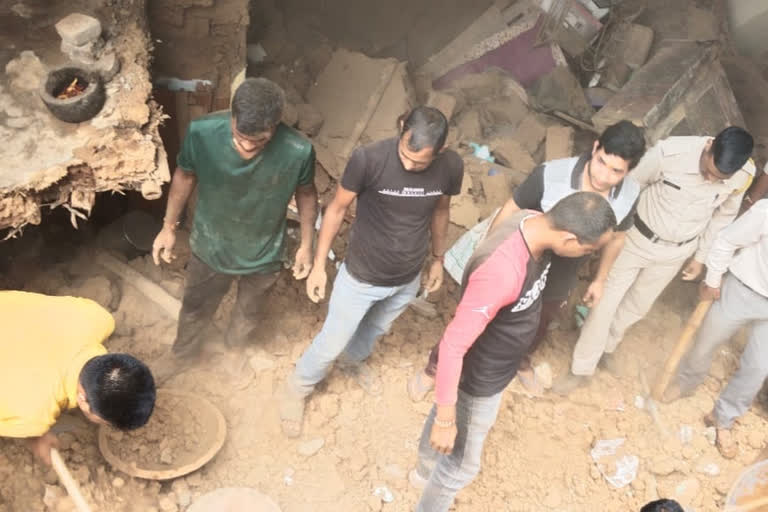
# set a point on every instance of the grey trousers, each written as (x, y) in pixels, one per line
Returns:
(447, 474)
(738, 306)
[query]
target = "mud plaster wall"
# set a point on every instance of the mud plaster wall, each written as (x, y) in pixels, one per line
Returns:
(200, 39)
(49, 163)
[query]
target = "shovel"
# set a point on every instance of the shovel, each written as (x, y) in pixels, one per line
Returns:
(68, 482)
(682, 346)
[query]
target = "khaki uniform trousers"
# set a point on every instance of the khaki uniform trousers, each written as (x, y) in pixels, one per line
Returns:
(641, 272)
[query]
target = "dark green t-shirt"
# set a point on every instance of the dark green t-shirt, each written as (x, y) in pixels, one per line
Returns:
(239, 224)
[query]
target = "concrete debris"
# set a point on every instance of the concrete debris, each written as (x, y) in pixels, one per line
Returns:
(464, 210)
(489, 23)
(310, 119)
(290, 114)
(634, 44)
(78, 29)
(509, 152)
(530, 133)
(682, 90)
(559, 143)
(560, 90)
(468, 127)
(445, 103)
(347, 112)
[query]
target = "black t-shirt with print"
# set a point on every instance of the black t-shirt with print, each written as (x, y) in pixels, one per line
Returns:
(391, 233)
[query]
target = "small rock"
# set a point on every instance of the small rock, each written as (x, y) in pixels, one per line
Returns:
(689, 452)
(663, 467)
(107, 66)
(309, 448)
(594, 472)
(182, 492)
(51, 496)
(194, 480)
(118, 483)
(167, 504)
(21, 10)
(686, 491)
(166, 456)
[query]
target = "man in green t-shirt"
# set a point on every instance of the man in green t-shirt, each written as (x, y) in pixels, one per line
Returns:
(247, 166)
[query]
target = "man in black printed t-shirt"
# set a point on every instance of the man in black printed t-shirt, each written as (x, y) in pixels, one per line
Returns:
(403, 187)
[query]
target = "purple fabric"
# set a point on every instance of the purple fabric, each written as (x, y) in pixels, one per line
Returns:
(518, 56)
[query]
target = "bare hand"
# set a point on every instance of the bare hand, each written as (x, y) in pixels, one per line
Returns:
(692, 270)
(708, 293)
(435, 277)
(303, 263)
(316, 284)
(443, 438)
(163, 246)
(594, 293)
(41, 446)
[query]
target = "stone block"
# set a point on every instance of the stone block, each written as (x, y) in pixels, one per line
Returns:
(530, 133)
(443, 102)
(78, 29)
(559, 143)
(310, 119)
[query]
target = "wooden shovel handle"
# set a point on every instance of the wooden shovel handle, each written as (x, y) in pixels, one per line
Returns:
(68, 482)
(683, 344)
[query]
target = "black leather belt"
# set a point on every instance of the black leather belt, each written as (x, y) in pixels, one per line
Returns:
(648, 233)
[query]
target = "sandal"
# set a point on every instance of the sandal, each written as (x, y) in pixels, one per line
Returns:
(726, 444)
(291, 408)
(530, 382)
(419, 384)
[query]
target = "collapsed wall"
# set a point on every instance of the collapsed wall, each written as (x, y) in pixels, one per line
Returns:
(46, 162)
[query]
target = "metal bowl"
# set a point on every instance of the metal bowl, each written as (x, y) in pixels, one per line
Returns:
(214, 434)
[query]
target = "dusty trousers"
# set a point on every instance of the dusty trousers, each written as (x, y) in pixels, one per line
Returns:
(203, 291)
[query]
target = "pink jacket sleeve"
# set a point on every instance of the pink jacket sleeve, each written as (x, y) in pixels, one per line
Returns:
(493, 284)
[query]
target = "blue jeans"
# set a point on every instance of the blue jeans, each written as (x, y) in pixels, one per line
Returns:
(448, 474)
(358, 314)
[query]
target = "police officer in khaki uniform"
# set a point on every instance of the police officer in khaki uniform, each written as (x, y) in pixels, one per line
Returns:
(693, 187)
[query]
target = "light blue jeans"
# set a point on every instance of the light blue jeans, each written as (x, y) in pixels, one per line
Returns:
(358, 314)
(447, 474)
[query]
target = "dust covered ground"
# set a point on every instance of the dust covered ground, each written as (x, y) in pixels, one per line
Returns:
(537, 456)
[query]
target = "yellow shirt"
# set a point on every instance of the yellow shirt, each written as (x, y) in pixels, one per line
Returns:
(44, 343)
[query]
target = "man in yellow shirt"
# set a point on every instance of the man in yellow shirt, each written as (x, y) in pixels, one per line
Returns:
(52, 359)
